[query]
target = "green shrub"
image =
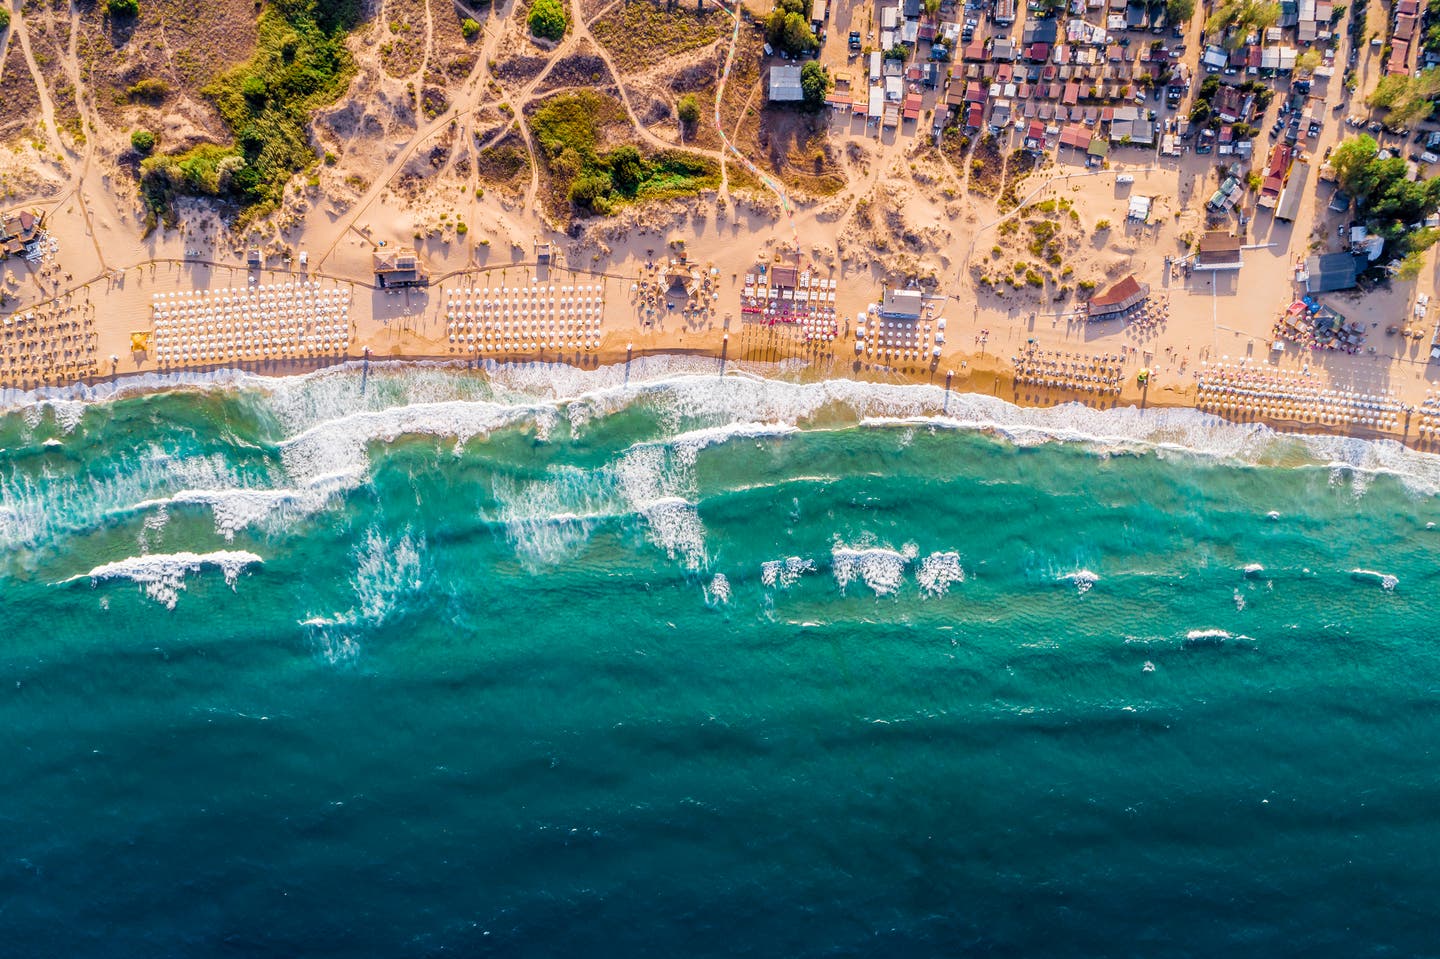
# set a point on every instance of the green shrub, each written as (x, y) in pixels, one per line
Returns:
(150, 89)
(122, 8)
(143, 141)
(468, 28)
(689, 111)
(548, 19)
(461, 229)
(4, 18)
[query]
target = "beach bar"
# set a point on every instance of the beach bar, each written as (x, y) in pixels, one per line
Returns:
(1119, 300)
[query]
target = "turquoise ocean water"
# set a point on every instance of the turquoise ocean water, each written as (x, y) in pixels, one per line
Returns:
(651, 662)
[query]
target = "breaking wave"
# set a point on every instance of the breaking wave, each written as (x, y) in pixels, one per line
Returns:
(161, 576)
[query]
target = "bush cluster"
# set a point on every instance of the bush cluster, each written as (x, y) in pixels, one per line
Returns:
(548, 19)
(300, 64)
(567, 130)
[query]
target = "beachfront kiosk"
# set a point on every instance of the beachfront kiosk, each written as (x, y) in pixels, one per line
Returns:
(398, 268)
(903, 304)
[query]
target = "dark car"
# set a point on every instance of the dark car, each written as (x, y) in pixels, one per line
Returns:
(854, 39)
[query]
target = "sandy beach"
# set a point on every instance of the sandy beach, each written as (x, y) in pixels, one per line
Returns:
(907, 215)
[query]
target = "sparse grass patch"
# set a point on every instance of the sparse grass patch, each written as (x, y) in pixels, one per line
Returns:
(634, 30)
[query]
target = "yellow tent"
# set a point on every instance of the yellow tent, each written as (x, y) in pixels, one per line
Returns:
(139, 342)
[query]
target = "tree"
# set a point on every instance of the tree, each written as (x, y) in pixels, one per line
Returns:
(1260, 17)
(1411, 110)
(548, 19)
(1224, 15)
(1410, 266)
(122, 9)
(689, 111)
(1179, 11)
(1389, 91)
(469, 27)
(4, 19)
(253, 89)
(1307, 61)
(931, 7)
(1351, 161)
(815, 82)
(797, 37)
(788, 27)
(627, 169)
(143, 141)
(591, 192)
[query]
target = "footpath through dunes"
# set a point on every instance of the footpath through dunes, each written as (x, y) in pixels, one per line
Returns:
(816, 638)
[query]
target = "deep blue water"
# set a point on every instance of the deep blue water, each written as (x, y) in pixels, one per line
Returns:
(700, 667)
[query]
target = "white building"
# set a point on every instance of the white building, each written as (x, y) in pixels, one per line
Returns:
(785, 85)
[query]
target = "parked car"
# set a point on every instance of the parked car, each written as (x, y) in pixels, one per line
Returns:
(1428, 157)
(854, 39)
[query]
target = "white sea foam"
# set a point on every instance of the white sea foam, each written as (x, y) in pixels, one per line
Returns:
(938, 572)
(657, 491)
(386, 574)
(1214, 637)
(1082, 579)
(241, 507)
(1253, 570)
(1386, 581)
(549, 520)
(718, 592)
(162, 575)
(687, 445)
(880, 568)
(34, 508)
(686, 389)
(785, 572)
(329, 418)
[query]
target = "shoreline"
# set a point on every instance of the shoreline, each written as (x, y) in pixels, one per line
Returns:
(979, 380)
